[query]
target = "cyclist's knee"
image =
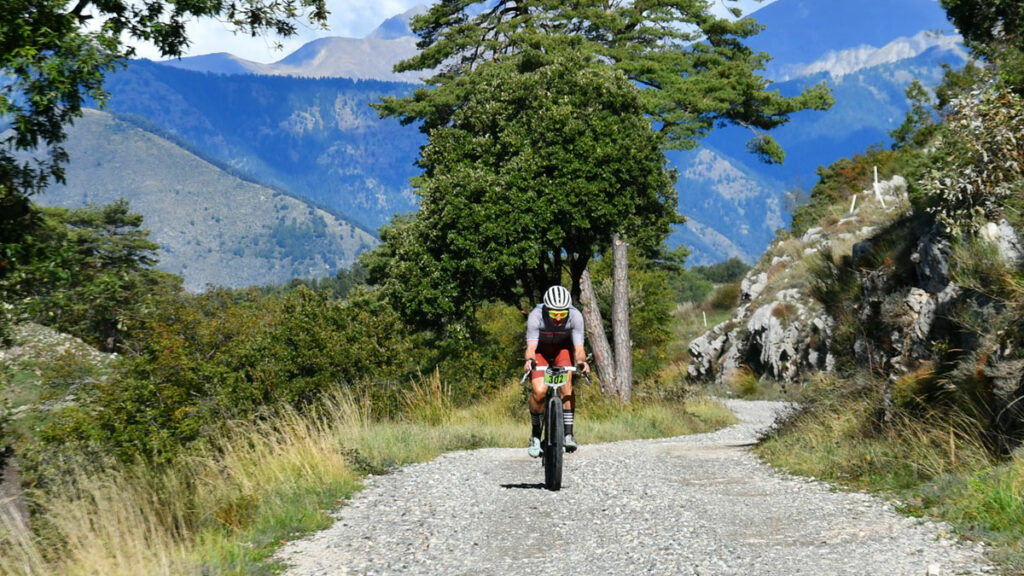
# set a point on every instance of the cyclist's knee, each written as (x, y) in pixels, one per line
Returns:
(538, 389)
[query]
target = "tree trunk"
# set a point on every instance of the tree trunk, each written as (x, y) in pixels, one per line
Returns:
(603, 360)
(620, 318)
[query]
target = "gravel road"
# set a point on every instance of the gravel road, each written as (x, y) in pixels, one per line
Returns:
(700, 504)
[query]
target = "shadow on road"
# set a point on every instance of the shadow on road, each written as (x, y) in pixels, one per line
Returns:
(524, 486)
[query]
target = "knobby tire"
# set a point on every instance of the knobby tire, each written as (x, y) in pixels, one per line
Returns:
(554, 444)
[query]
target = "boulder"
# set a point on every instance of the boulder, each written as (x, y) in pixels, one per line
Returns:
(751, 287)
(931, 263)
(785, 338)
(1004, 238)
(705, 351)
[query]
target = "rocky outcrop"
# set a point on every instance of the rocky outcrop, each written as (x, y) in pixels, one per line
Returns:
(912, 317)
(785, 337)
(779, 331)
(780, 339)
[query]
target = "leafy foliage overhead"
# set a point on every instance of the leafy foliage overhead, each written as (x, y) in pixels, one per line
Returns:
(55, 53)
(536, 169)
(548, 123)
(995, 30)
(695, 65)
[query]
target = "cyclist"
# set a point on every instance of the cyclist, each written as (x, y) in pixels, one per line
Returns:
(554, 336)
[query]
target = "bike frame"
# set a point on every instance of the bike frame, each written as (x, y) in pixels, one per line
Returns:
(553, 436)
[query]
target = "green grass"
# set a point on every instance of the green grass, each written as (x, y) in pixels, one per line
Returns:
(24, 389)
(935, 463)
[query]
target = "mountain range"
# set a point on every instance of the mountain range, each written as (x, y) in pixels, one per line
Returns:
(369, 58)
(295, 126)
(213, 228)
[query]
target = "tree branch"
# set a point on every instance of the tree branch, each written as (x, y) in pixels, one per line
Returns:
(77, 11)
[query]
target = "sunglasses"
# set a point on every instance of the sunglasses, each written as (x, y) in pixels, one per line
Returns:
(558, 314)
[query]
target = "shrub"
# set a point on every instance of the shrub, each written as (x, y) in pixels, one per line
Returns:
(725, 297)
(199, 361)
(977, 162)
(729, 270)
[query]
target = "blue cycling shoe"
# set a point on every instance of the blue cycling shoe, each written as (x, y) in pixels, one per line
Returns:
(534, 449)
(570, 443)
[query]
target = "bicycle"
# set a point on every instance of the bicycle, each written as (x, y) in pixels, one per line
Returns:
(552, 443)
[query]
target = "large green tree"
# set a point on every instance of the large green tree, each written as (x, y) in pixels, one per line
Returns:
(546, 124)
(546, 156)
(87, 272)
(54, 55)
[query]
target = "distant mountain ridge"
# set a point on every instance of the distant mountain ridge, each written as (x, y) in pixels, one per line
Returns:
(318, 138)
(801, 32)
(212, 228)
(369, 58)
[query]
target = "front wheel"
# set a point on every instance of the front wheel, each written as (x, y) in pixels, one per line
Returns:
(554, 444)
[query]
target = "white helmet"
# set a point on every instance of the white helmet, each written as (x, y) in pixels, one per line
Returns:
(557, 298)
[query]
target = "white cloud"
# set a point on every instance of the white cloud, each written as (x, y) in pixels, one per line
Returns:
(350, 18)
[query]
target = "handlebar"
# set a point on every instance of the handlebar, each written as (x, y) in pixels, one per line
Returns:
(576, 368)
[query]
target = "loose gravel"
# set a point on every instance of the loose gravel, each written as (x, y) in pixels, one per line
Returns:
(691, 505)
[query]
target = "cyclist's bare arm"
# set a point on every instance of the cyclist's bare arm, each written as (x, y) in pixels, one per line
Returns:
(530, 355)
(580, 356)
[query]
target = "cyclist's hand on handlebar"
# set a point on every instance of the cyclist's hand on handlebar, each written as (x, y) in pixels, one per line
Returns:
(530, 366)
(583, 367)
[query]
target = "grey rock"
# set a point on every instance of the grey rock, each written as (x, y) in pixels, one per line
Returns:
(1005, 239)
(705, 351)
(751, 287)
(893, 192)
(813, 235)
(862, 249)
(931, 263)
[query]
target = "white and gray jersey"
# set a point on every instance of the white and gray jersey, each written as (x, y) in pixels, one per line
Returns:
(540, 328)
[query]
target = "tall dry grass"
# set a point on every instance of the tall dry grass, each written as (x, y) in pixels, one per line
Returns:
(844, 442)
(935, 463)
(113, 520)
(223, 510)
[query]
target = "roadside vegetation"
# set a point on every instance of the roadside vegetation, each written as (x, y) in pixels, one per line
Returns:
(223, 505)
(233, 420)
(216, 426)
(938, 430)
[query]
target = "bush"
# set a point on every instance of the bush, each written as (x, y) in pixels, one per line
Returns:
(197, 362)
(978, 162)
(729, 270)
(690, 286)
(725, 297)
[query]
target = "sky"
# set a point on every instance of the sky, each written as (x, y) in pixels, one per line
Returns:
(351, 18)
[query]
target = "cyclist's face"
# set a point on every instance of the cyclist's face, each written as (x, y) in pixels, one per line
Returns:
(558, 316)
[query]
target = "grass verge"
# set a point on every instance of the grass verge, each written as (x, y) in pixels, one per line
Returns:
(934, 464)
(226, 509)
